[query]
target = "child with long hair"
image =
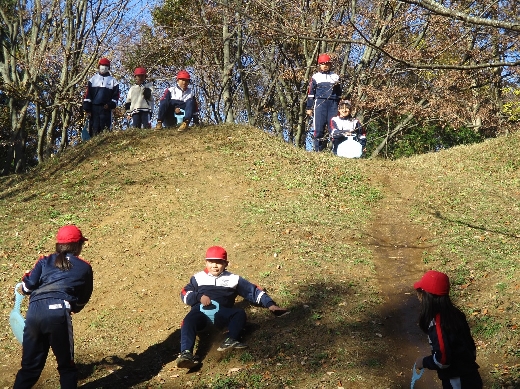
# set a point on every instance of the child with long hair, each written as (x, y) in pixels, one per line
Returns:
(453, 349)
(59, 284)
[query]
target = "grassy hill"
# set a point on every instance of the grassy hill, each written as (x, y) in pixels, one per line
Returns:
(339, 242)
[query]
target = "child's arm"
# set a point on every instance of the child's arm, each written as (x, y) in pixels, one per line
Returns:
(256, 295)
(441, 354)
(190, 294)
(310, 96)
(31, 279)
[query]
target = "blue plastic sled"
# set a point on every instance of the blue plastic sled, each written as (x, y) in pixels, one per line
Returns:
(85, 135)
(210, 310)
(350, 148)
(180, 116)
(16, 319)
(415, 375)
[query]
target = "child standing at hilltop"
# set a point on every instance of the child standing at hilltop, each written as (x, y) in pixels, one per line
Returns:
(216, 284)
(139, 101)
(322, 100)
(453, 349)
(58, 285)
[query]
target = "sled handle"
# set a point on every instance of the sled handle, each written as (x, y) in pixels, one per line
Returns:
(210, 312)
(18, 297)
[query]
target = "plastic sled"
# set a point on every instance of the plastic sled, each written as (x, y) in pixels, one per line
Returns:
(210, 310)
(180, 117)
(16, 319)
(415, 375)
(349, 148)
(84, 133)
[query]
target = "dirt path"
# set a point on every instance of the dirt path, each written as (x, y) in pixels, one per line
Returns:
(398, 247)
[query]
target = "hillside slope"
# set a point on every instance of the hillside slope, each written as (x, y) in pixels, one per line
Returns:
(337, 241)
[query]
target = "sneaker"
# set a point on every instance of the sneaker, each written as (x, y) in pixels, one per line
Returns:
(186, 360)
(230, 343)
(158, 126)
(182, 127)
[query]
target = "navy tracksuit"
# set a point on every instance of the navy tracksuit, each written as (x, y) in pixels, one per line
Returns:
(102, 89)
(323, 96)
(54, 294)
(223, 289)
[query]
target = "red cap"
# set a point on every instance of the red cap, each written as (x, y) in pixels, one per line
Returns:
(139, 71)
(216, 252)
(323, 58)
(104, 61)
(183, 75)
(69, 234)
(434, 282)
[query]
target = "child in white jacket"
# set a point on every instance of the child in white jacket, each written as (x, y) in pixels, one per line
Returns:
(139, 102)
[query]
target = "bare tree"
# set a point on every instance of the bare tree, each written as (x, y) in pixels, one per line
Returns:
(48, 49)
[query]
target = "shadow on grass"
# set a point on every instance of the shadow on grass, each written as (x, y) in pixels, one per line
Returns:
(134, 368)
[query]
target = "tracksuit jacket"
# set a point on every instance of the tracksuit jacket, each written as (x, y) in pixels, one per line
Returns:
(223, 289)
(101, 89)
(47, 281)
(453, 356)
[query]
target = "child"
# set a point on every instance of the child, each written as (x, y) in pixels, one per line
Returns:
(177, 98)
(58, 284)
(323, 95)
(101, 98)
(218, 284)
(453, 349)
(345, 125)
(140, 100)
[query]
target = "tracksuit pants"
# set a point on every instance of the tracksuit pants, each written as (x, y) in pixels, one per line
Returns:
(167, 108)
(100, 119)
(141, 118)
(47, 325)
(324, 111)
(232, 318)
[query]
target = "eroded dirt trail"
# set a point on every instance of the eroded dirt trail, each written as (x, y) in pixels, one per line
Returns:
(398, 246)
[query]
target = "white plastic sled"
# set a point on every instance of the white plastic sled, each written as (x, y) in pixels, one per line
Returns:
(349, 148)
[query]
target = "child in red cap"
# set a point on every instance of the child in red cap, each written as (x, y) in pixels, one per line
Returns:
(453, 349)
(211, 294)
(58, 284)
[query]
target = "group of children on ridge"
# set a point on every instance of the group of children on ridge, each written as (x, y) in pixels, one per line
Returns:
(102, 96)
(324, 103)
(62, 283)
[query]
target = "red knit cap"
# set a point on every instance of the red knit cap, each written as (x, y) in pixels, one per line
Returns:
(69, 234)
(434, 282)
(216, 252)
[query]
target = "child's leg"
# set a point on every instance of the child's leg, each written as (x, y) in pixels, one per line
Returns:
(136, 120)
(320, 121)
(35, 347)
(194, 321)
(59, 328)
(232, 318)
